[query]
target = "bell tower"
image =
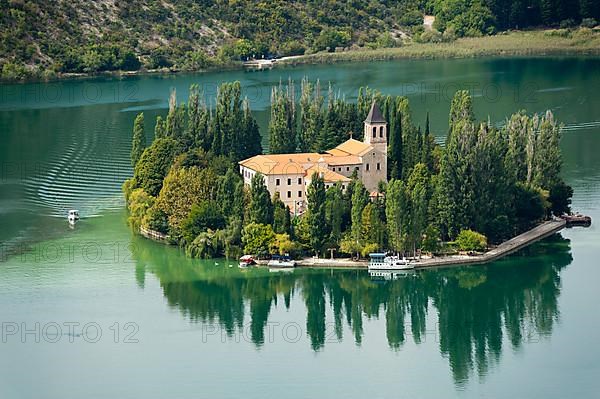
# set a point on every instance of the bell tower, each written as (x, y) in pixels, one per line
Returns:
(376, 129)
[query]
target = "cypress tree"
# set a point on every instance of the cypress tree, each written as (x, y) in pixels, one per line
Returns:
(282, 129)
(261, 208)
(316, 213)
(138, 143)
(360, 199)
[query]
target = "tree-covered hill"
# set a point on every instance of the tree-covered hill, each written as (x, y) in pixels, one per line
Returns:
(45, 37)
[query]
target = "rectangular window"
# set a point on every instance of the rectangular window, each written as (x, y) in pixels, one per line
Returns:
(347, 168)
(367, 167)
(276, 182)
(300, 194)
(339, 169)
(356, 168)
(378, 166)
(289, 194)
(289, 182)
(299, 180)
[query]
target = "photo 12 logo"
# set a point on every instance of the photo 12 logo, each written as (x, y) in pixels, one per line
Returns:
(69, 331)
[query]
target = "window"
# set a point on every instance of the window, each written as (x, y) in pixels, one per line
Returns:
(367, 167)
(276, 182)
(357, 168)
(343, 186)
(289, 194)
(378, 166)
(374, 132)
(299, 180)
(347, 168)
(300, 194)
(339, 169)
(289, 182)
(381, 131)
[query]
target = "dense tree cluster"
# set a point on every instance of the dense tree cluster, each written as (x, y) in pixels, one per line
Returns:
(42, 38)
(486, 184)
(186, 184)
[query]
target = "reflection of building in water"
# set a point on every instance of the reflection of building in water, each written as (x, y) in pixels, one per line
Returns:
(476, 307)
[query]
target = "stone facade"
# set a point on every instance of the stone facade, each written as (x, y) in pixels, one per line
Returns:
(290, 174)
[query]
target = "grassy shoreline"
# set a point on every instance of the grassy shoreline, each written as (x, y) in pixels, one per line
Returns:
(521, 43)
(561, 42)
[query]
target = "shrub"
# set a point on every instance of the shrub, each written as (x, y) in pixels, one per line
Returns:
(430, 36)
(588, 22)
(469, 240)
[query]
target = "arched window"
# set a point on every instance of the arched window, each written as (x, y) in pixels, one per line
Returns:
(374, 132)
(381, 131)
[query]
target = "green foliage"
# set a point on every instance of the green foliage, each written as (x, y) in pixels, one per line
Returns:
(316, 197)
(203, 216)
(282, 125)
(261, 208)
(471, 241)
(138, 203)
(139, 139)
(281, 216)
(258, 238)
(154, 164)
(330, 38)
(182, 188)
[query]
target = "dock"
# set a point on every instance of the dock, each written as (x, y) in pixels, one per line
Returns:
(509, 247)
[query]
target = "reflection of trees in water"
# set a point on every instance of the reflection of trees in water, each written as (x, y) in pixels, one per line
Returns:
(478, 309)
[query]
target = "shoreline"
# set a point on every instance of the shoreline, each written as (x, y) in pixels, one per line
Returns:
(543, 230)
(534, 43)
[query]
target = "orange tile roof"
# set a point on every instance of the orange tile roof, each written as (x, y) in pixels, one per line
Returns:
(354, 147)
(328, 175)
(343, 160)
(279, 164)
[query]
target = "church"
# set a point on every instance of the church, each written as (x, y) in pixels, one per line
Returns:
(290, 174)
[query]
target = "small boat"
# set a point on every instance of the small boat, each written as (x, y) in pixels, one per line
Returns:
(281, 262)
(382, 261)
(246, 261)
(73, 217)
(577, 219)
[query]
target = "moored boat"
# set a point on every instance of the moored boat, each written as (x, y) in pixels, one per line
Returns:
(246, 261)
(382, 261)
(281, 262)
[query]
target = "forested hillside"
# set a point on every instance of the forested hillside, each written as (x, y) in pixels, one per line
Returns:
(46, 37)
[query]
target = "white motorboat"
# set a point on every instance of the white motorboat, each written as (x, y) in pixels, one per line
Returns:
(281, 262)
(382, 261)
(73, 217)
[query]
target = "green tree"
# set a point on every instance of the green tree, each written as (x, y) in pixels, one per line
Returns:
(316, 197)
(154, 164)
(334, 212)
(397, 211)
(203, 216)
(360, 199)
(139, 139)
(261, 208)
(281, 216)
(282, 128)
(258, 238)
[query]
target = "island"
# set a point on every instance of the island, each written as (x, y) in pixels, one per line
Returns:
(344, 178)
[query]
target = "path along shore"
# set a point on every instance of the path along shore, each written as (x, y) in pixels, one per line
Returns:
(540, 232)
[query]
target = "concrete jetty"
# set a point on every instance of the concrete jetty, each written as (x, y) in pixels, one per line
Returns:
(517, 243)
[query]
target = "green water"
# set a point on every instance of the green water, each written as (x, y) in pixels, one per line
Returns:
(154, 324)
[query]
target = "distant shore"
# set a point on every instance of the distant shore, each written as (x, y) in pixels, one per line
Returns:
(517, 43)
(559, 42)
